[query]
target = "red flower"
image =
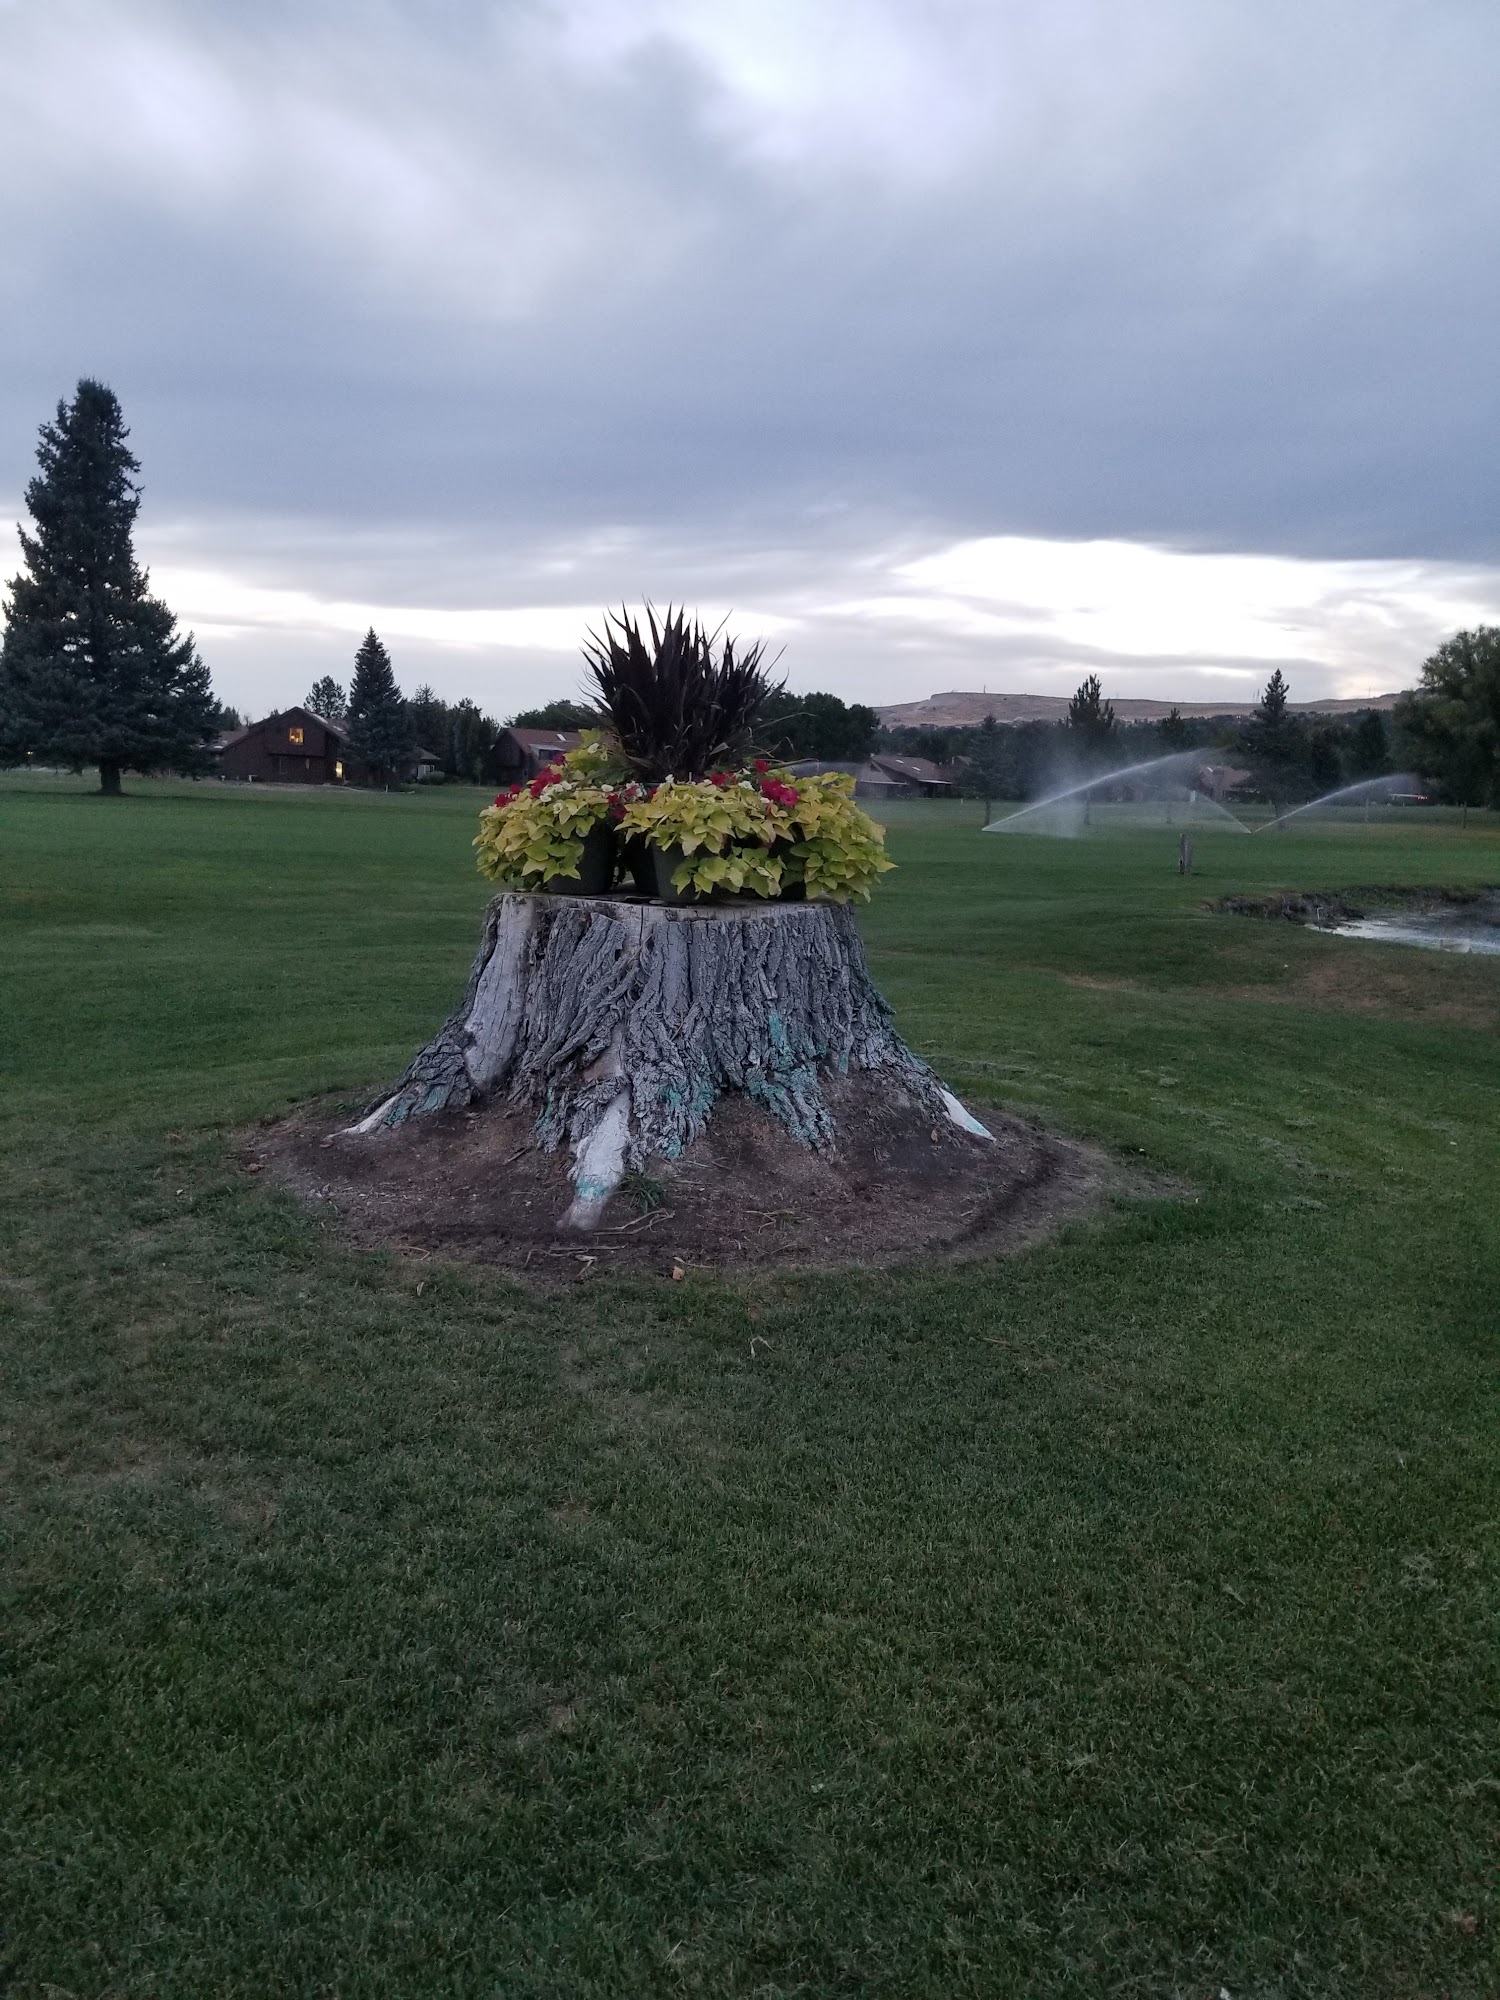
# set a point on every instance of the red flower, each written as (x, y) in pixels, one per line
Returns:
(719, 778)
(545, 778)
(761, 766)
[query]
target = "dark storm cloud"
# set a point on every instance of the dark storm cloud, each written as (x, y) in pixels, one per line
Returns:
(779, 277)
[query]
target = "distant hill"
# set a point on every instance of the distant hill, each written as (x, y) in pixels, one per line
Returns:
(956, 711)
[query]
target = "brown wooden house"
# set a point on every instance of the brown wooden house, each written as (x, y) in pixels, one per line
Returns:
(519, 754)
(916, 776)
(297, 747)
(887, 777)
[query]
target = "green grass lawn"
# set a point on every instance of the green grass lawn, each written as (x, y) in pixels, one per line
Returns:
(1116, 1619)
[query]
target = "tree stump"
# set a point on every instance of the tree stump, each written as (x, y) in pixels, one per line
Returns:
(624, 1022)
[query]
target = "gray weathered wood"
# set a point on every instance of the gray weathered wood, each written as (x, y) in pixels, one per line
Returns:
(624, 1022)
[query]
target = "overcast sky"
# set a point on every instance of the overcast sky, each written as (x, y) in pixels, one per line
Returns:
(955, 344)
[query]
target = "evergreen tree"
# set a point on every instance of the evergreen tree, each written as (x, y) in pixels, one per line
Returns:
(1271, 708)
(379, 727)
(985, 779)
(1370, 745)
(428, 717)
(1324, 762)
(92, 669)
(1174, 731)
(1274, 738)
(1091, 719)
(470, 740)
(326, 698)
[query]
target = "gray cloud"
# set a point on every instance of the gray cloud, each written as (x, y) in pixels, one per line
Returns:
(727, 290)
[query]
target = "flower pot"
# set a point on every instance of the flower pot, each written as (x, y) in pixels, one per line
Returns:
(596, 867)
(791, 891)
(633, 855)
(663, 861)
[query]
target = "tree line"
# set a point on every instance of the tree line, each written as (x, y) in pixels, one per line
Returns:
(387, 728)
(1288, 756)
(93, 671)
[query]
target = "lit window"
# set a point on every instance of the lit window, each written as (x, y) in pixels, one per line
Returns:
(294, 736)
(338, 770)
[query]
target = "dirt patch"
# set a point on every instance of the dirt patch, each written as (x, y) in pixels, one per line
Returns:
(1325, 909)
(1323, 912)
(1439, 989)
(1393, 985)
(476, 1186)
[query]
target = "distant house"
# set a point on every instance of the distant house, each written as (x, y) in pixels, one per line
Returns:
(297, 747)
(519, 754)
(886, 777)
(918, 775)
(1219, 780)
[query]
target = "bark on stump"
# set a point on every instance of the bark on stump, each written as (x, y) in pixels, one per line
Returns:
(623, 1022)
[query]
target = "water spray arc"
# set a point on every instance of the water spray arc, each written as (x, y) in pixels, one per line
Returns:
(1180, 760)
(1366, 791)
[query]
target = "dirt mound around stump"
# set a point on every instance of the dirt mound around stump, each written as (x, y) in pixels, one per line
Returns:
(475, 1185)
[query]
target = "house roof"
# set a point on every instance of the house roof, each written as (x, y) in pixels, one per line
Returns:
(874, 777)
(281, 716)
(546, 739)
(914, 770)
(884, 773)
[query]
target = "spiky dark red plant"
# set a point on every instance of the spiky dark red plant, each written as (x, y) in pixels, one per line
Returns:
(681, 702)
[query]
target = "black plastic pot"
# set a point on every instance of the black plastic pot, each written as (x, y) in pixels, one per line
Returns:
(633, 858)
(791, 892)
(663, 861)
(596, 867)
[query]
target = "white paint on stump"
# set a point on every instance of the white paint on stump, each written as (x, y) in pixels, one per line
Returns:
(965, 1119)
(598, 1165)
(376, 1116)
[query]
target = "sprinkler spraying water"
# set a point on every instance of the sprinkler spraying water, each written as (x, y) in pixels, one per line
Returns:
(1368, 792)
(1069, 807)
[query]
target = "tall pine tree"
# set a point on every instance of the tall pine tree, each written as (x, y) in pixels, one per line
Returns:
(427, 716)
(984, 774)
(326, 698)
(92, 669)
(1091, 719)
(471, 740)
(379, 725)
(1275, 736)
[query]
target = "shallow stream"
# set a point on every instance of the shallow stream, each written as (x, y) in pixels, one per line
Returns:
(1468, 927)
(1433, 919)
